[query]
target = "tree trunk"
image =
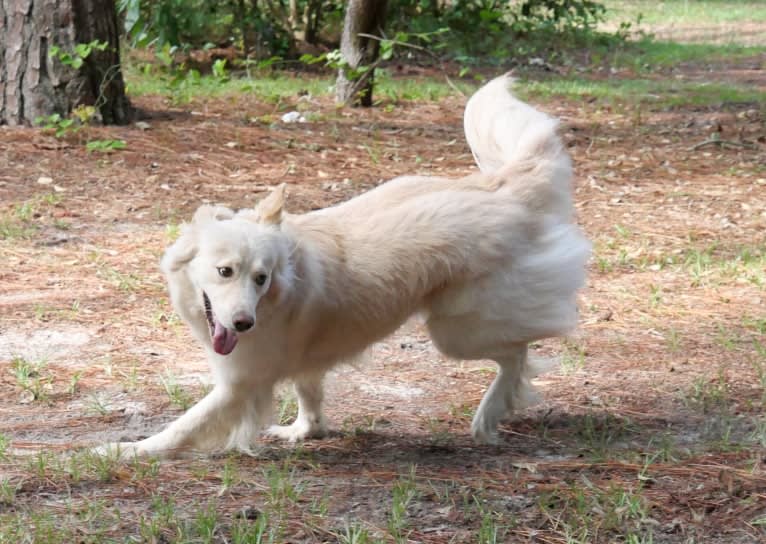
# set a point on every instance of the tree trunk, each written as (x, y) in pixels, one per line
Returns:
(312, 18)
(33, 84)
(362, 17)
(244, 26)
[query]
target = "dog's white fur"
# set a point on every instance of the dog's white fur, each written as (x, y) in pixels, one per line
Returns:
(492, 260)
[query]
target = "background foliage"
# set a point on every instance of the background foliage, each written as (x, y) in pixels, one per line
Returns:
(459, 29)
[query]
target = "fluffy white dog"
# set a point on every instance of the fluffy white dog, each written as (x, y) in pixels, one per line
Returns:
(492, 261)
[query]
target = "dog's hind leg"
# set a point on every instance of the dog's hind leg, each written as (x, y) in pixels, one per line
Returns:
(310, 422)
(509, 391)
(469, 337)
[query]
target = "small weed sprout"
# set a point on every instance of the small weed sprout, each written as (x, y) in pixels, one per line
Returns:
(403, 493)
(145, 468)
(176, 393)
(105, 467)
(282, 489)
(572, 356)
(229, 475)
(31, 378)
(673, 338)
(74, 381)
(7, 492)
(709, 395)
(99, 404)
(490, 531)
(4, 445)
(354, 534)
(288, 407)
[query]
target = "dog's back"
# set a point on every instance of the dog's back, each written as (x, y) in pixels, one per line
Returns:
(496, 246)
(515, 147)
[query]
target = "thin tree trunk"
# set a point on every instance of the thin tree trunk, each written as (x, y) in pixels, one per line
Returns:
(362, 17)
(32, 84)
(312, 18)
(244, 25)
(293, 20)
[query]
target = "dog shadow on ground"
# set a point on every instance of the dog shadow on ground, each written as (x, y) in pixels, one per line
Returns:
(551, 437)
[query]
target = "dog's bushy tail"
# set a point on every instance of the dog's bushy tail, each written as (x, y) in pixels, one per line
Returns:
(519, 147)
(502, 129)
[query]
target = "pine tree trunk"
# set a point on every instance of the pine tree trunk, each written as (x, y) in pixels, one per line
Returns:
(34, 84)
(362, 17)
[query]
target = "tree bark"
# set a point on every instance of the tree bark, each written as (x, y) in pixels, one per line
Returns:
(362, 17)
(33, 84)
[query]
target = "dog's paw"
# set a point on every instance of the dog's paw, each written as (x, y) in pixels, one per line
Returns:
(296, 432)
(484, 432)
(120, 451)
(486, 439)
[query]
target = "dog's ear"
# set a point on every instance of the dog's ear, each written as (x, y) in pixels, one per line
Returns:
(208, 213)
(269, 210)
(182, 251)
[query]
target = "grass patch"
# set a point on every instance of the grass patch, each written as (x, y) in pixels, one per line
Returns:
(287, 409)
(658, 93)
(13, 227)
(32, 377)
(713, 263)
(572, 356)
(271, 87)
(709, 394)
(176, 393)
(582, 512)
(648, 54)
(602, 435)
(277, 86)
(686, 12)
(403, 493)
(639, 57)
(418, 89)
(21, 221)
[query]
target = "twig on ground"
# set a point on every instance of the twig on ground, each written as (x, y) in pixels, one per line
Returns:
(714, 139)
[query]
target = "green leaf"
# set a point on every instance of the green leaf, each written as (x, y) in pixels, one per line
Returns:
(132, 9)
(82, 50)
(105, 146)
(386, 49)
(308, 58)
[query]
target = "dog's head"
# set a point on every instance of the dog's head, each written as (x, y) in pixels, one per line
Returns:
(225, 263)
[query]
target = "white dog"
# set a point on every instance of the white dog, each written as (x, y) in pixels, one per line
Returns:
(491, 260)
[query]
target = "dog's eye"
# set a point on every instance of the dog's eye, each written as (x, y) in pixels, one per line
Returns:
(260, 279)
(225, 271)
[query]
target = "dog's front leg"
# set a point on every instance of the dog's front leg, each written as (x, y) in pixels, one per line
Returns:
(310, 422)
(228, 417)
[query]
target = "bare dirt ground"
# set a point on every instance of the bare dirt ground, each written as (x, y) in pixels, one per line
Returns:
(653, 425)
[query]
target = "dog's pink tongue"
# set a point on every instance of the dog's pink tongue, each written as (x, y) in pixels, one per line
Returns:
(224, 340)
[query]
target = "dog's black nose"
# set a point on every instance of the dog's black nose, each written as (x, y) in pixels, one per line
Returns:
(243, 321)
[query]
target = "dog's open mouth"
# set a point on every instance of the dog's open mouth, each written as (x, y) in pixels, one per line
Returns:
(224, 340)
